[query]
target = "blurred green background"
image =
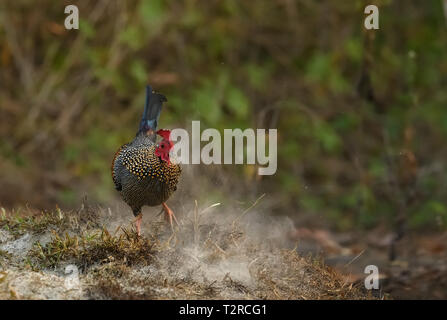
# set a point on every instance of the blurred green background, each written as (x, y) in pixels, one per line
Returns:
(361, 115)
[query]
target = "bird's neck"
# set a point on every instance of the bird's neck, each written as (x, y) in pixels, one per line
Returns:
(145, 137)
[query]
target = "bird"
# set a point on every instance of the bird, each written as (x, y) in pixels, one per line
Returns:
(143, 171)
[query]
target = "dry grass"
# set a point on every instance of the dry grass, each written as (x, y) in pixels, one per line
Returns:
(20, 223)
(199, 260)
(86, 250)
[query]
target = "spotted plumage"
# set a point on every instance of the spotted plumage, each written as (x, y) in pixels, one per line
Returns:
(142, 170)
(142, 177)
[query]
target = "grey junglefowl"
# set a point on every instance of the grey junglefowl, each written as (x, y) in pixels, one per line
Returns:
(142, 170)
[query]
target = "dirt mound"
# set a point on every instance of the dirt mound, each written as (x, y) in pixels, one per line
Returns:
(85, 255)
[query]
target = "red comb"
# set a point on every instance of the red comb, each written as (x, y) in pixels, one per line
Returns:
(164, 133)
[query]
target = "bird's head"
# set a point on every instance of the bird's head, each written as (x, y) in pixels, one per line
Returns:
(165, 145)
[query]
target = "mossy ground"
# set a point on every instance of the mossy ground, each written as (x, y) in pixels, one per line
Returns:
(195, 261)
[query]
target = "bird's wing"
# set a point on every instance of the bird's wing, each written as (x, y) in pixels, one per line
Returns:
(141, 161)
(116, 158)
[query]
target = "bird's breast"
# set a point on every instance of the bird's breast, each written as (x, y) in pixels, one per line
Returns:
(146, 177)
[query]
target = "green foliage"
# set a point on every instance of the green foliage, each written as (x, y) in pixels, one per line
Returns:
(86, 29)
(352, 107)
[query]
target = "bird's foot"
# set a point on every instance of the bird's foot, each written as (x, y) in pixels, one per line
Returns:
(169, 215)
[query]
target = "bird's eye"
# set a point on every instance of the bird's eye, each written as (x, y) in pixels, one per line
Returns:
(162, 145)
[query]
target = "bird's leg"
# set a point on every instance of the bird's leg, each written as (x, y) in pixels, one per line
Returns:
(169, 214)
(138, 223)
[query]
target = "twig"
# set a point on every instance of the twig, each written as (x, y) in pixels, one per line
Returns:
(355, 258)
(220, 249)
(248, 209)
(196, 223)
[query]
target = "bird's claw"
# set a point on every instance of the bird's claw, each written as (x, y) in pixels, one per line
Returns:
(169, 215)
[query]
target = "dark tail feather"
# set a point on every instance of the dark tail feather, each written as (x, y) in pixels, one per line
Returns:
(152, 110)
